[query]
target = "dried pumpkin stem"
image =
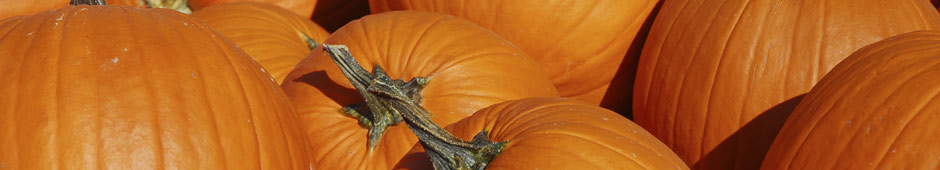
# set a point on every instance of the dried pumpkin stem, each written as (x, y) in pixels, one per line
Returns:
(400, 99)
(87, 2)
(375, 116)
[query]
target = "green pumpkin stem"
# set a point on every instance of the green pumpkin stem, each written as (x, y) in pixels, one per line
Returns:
(87, 2)
(312, 44)
(397, 99)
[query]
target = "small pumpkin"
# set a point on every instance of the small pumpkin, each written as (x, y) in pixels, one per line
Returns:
(716, 81)
(20, 7)
(877, 109)
(84, 88)
(580, 44)
(275, 37)
(301, 7)
(554, 133)
(454, 66)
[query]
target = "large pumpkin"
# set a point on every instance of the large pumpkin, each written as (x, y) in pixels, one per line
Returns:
(275, 37)
(301, 7)
(556, 133)
(581, 44)
(468, 68)
(84, 88)
(877, 109)
(716, 81)
(20, 7)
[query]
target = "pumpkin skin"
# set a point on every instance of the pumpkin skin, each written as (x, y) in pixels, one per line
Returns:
(271, 35)
(84, 89)
(469, 68)
(19, 7)
(581, 44)
(557, 133)
(301, 7)
(875, 110)
(332, 14)
(716, 81)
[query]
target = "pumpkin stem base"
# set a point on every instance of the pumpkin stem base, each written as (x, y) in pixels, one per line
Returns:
(401, 100)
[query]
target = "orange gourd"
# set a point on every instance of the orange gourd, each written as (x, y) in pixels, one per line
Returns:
(556, 133)
(20, 7)
(117, 87)
(301, 7)
(877, 109)
(581, 44)
(467, 68)
(716, 81)
(275, 37)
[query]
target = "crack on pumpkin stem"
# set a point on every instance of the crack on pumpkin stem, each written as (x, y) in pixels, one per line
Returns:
(398, 100)
(375, 116)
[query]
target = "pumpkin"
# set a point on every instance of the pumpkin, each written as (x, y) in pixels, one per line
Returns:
(716, 81)
(178, 5)
(332, 14)
(83, 88)
(460, 66)
(580, 44)
(275, 37)
(301, 7)
(557, 133)
(20, 7)
(877, 109)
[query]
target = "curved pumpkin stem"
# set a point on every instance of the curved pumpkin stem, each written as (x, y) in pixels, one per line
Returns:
(178, 5)
(398, 99)
(312, 44)
(375, 116)
(87, 2)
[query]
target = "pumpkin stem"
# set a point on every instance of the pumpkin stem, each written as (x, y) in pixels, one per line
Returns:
(312, 44)
(374, 116)
(87, 2)
(178, 5)
(394, 98)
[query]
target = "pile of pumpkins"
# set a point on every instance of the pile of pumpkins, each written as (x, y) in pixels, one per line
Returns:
(484, 84)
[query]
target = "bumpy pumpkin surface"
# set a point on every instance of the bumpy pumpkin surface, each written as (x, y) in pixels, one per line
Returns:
(877, 109)
(19, 7)
(273, 36)
(469, 68)
(581, 44)
(716, 81)
(556, 133)
(301, 7)
(117, 87)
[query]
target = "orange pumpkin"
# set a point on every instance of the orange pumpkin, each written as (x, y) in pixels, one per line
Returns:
(83, 88)
(716, 81)
(556, 133)
(301, 7)
(20, 7)
(275, 37)
(332, 14)
(877, 109)
(581, 44)
(467, 68)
